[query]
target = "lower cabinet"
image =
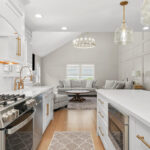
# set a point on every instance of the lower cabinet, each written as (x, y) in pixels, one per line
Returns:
(47, 108)
(102, 122)
(139, 133)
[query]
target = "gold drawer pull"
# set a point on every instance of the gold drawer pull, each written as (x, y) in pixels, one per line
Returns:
(101, 115)
(101, 101)
(141, 138)
(101, 131)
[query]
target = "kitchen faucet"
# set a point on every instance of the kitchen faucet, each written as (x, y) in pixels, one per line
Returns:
(21, 80)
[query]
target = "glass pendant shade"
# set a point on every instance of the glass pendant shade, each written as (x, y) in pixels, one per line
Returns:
(123, 35)
(84, 42)
(145, 13)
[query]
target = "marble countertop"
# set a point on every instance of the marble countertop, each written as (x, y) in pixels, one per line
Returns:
(30, 91)
(135, 103)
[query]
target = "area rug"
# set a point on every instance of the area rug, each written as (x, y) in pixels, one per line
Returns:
(68, 140)
(89, 103)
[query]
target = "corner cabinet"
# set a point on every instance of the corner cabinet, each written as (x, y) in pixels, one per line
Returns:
(47, 108)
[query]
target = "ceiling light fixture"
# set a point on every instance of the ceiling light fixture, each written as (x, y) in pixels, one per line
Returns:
(38, 16)
(64, 28)
(123, 35)
(145, 28)
(84, 42)
(145, 13)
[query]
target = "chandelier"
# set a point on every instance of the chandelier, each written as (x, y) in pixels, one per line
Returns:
(145, 15)
(84, 42)
(123, 35)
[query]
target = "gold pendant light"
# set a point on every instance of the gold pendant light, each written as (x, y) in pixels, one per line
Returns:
(123, 35)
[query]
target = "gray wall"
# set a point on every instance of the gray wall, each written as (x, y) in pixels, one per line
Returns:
(104, 56)
(136, 56)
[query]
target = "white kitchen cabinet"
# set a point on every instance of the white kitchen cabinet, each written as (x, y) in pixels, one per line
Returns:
(28, 35)
(139, 135)
(12, 27)
(47, 108)
(9, 48)
(12, 12)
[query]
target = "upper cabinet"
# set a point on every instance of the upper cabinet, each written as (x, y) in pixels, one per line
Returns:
(12, 32)
(12, 12)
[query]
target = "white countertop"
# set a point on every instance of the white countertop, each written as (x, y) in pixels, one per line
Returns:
(135, 103)
(30, 91)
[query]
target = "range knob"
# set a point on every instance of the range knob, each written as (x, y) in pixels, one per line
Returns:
(11, 116)
(5, 117)
(15, 113)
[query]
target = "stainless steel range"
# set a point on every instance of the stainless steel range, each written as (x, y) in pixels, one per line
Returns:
(16, 122)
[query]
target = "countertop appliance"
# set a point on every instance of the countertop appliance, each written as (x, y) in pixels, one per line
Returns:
(38, 123)
(118, 128)
(16, 122)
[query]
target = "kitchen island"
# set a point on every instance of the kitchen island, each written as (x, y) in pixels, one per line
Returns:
(135, 104)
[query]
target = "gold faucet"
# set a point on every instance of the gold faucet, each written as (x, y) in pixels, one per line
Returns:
(20, 83)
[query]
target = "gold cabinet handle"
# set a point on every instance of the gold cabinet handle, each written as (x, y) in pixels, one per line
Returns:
(19, 46)
(101, 115)
(101, 131)
(141, 138)
(101, 101)
(47, 109)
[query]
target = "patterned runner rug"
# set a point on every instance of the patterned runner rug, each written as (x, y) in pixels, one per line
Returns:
(89, 103)
(68, 140)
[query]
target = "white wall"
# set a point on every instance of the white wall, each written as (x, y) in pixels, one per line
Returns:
(104, 56)
(136, 56)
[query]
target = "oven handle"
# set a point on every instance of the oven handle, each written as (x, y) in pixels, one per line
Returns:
(19, 126)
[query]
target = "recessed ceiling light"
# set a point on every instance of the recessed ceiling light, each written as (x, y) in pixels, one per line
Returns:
(64, 28)
(38, 16)
(145, 28)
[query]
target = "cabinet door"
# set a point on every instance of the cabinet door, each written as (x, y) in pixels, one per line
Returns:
(16, 49)
(142, 136)
(12, 12)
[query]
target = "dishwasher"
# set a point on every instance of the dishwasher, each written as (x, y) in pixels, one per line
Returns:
(38, 124)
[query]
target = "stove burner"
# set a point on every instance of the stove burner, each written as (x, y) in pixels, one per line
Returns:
(9, 99)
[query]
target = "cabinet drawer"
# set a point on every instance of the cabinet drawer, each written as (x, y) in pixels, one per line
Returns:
(103, 135)
(103, 117)
(142, 136)
(103, 104)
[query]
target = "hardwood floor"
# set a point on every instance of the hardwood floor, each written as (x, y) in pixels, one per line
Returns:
(72, 120)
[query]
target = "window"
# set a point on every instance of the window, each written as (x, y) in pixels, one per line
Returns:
(76, 71)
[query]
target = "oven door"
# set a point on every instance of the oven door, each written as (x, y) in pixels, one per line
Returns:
(19, 134)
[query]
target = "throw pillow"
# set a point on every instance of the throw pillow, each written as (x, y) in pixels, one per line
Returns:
(76, 83)
(67, 84)
(83, 83)
(89, 84)
(128, 85)
(120, 85)
(109, 84)
(61, 84)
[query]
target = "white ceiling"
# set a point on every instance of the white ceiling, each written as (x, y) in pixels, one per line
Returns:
(44, 43)
(81, 15)
(78, 16)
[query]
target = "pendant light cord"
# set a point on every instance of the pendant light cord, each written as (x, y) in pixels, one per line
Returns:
(124, 15)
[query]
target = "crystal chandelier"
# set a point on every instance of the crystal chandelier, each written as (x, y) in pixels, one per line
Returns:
(145, 15)
(84, 42)
(123, 35)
